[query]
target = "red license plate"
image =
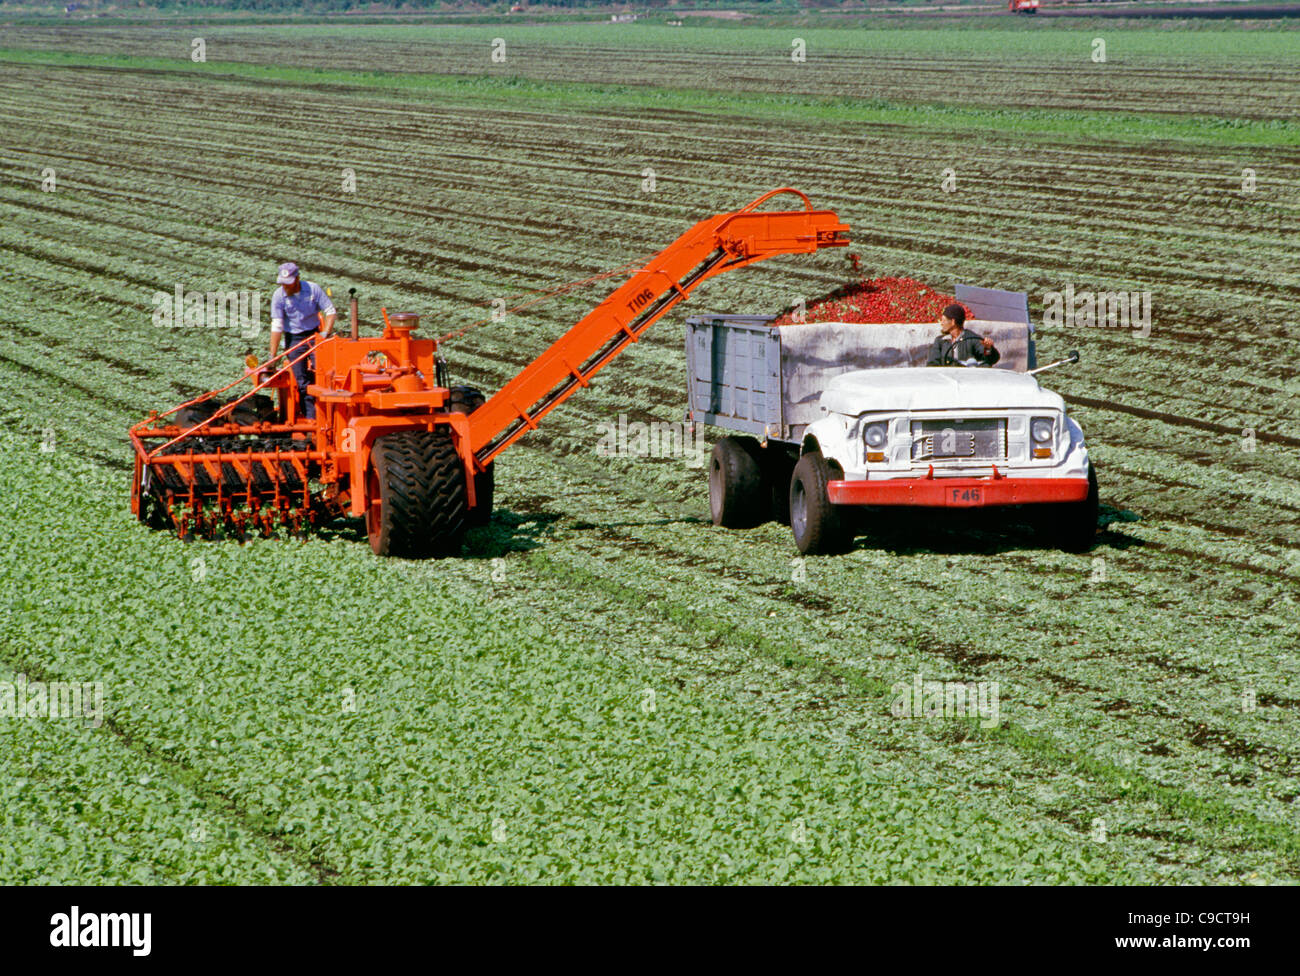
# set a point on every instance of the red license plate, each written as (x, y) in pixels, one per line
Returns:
(962, 497)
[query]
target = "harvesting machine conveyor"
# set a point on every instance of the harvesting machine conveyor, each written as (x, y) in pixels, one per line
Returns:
(392, 441)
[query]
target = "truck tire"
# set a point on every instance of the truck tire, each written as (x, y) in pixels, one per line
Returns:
(466, 399)
(1074, 527)
(418, 479)
(737, 491)
(816, 524)
(778, 467)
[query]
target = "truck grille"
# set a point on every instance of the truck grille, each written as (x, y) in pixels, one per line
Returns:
(958, 440)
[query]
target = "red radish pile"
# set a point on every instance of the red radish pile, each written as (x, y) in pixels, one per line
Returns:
(874, 300)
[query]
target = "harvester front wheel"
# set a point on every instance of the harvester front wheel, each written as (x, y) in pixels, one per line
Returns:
(416, 486)
(466, 399)
(737, 495)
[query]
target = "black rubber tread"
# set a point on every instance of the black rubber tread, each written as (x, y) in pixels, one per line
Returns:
(823, 530)
(259, 408)
(467, 399)
(738, 497)
(778, 463)
(422, 495)
(484, 490)
(187, 417)
(1072, 526)
(464, 399)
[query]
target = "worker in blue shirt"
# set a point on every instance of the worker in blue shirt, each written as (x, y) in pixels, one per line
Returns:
(301, 311)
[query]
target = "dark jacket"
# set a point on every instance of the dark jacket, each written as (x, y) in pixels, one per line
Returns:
(969, 346)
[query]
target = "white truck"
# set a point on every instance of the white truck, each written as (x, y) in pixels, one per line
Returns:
(833, 415)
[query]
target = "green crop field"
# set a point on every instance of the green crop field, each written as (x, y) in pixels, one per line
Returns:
(605, 687)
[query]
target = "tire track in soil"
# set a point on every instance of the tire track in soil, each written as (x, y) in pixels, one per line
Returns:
(1236, 531)
(1268, 437)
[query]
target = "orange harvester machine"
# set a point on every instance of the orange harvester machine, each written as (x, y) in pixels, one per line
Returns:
(391, 440)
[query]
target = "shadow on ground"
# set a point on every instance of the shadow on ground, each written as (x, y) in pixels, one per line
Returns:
(973, 531)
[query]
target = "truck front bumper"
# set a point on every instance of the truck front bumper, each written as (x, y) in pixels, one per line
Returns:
(957, 492)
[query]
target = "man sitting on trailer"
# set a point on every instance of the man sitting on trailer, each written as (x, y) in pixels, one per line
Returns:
(300, 310)
(957, 346)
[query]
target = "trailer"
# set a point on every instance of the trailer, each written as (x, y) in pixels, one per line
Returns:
(828, 420)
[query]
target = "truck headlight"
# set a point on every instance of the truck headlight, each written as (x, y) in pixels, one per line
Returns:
(1041, 429)
(875, 435)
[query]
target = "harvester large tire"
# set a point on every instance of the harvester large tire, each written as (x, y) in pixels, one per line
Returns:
(466, 399)
(1072, 526)
(419, 480)
(484, 489)
(195, 413)
(817, 525)
(738, 496)
(259, 408)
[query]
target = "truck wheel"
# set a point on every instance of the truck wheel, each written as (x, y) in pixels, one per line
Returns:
(416, 485)
(778, 467)
(466, 399)
(737, 491)
(1072, 526)
(815, 522)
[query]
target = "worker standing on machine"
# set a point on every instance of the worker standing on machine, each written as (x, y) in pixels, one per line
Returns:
(300, 310)
(957, 346)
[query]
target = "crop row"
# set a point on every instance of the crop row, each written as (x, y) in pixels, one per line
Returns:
(1059, 72)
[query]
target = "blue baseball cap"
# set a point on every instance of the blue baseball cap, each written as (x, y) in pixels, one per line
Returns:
(288, 274)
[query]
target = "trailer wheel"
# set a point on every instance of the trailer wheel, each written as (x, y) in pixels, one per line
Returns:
(416, 485)
(1074, 524)
(816, 523)
(737, 491)
(466, 399)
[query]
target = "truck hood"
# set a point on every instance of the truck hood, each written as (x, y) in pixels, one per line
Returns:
(943, 388)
